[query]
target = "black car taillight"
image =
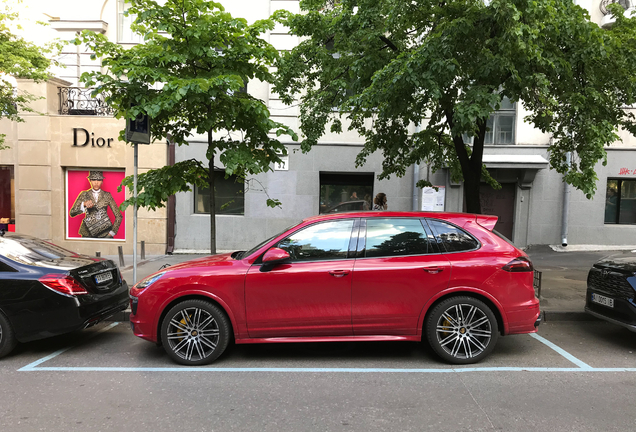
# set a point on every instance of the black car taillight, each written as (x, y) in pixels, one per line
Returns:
(63, 284)
(519, 264)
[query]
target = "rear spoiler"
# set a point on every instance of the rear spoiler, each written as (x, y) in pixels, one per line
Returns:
(486, 221)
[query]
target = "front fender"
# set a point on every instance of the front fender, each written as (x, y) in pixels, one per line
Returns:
(197, 291)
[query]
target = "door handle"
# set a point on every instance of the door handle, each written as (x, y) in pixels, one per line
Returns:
(433, 270)
(338, 273)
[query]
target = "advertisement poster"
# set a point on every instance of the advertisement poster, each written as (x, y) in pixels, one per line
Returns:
(433, 200)
(92, 205)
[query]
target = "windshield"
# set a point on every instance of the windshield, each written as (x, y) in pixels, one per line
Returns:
(263, 243)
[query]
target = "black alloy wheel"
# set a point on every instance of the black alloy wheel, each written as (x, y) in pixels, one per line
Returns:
(462, 330)
(7, 338)
(195, 332)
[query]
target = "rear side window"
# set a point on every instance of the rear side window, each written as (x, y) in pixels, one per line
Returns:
(452, 238)
(322, 241)
(395, 237)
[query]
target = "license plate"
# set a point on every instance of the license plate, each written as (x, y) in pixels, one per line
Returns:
(602, 300)
(103, 277)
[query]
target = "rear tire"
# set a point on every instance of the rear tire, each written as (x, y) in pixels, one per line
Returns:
(462, 330)
(7, 337)
(195, 332)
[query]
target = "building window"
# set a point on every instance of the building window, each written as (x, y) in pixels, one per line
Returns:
(229, 196)
(500, 125)
(345, 192)
(7, 198)
(124, 33)
(620, 201)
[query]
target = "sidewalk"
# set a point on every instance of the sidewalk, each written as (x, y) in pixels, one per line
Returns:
(564, 281)
(563, 285)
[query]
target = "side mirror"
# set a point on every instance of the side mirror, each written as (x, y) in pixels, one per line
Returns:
(272, 257)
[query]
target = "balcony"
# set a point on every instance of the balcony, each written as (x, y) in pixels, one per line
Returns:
(78, 101)
(608, 19)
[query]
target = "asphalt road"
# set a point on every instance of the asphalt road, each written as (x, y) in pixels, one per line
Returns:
(576, 376)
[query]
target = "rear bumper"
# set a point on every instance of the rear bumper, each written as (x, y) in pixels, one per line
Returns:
(55, 314)
(525, 319)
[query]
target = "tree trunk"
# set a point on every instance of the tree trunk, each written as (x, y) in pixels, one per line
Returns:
(471, 165)
(471, 194)
(212, 200)
(472, 172)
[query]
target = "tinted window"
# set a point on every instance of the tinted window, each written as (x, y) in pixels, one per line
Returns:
(6, 268)
(392, 237)
(454, 239)
(323, 241)
(32, 251)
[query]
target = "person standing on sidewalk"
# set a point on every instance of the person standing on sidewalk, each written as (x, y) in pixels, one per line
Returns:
(380, 202)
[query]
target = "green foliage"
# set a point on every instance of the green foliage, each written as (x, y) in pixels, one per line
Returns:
(22, 59)
(160, 184)
(187, 77)
(386, 65)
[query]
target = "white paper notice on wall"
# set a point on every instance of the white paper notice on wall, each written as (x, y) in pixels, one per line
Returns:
(433, 200)
(284, 165)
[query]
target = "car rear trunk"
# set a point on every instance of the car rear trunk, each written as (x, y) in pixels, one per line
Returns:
(98, 277)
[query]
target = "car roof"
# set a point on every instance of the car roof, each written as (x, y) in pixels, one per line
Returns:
(386, 213)
(486, 221)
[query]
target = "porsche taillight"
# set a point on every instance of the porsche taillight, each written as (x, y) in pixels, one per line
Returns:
(519, 264)
(63, 284)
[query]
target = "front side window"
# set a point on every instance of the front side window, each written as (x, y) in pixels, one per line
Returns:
(229, 198)
(319, 242)
(452, 238)
(394, 237)
(620, 201)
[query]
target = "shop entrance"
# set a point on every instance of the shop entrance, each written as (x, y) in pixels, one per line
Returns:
(500, 203)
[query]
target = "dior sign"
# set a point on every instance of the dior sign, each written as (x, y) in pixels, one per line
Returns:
(81, 138)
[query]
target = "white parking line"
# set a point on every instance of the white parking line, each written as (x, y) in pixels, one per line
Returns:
(31, 366)
(582, 366)
(561, 351)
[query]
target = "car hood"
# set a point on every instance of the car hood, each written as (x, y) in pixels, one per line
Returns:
(625, 262)
(208, 261)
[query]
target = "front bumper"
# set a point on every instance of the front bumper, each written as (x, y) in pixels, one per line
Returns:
(623, 313)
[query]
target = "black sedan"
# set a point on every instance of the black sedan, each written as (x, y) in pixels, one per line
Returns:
(46, 290)
(611, 290)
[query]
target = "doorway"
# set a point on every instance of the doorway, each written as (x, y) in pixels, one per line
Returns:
(500, 203)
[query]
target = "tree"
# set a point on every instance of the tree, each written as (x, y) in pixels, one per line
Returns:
(187, 77)
(383, 66)
(22, 59)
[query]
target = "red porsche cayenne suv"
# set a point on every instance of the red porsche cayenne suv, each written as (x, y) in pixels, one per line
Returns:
(365, 276)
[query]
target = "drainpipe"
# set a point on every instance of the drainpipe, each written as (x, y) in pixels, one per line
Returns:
(171, 203)
(566, 205)
(416, 173)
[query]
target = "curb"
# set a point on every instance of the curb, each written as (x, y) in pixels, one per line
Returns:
(546, 316)
(550, 316)
(140, 263)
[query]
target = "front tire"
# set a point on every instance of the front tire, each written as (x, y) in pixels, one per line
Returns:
(195, 332)
(7, 337)
(462, 330)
